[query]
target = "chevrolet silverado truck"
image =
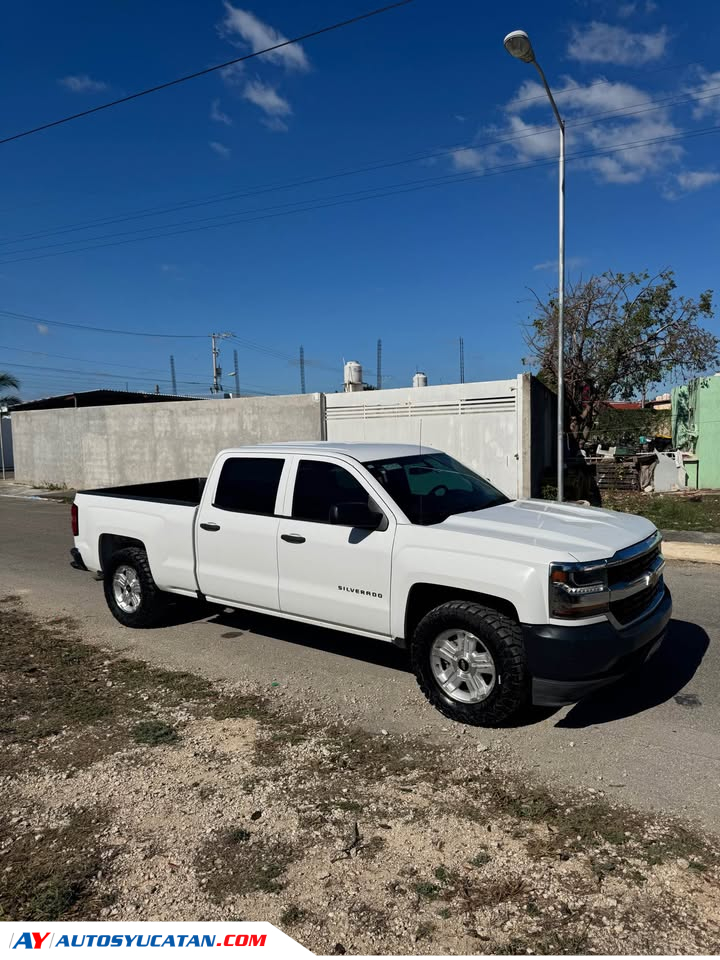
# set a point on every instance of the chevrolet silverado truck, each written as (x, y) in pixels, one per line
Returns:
(500, 602)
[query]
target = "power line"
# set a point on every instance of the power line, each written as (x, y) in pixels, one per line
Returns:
(207, 70)
(61, 356)
(629, 110)
(102, 375)
(406, 187)
(248, 344)
(80, 326)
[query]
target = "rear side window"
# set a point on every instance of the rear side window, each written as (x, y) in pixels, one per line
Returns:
(249, 485)
(319, 486)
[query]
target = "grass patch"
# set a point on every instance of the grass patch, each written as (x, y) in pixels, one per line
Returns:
(231, 863)
(428, 891)
(154, 733)
(292, 915)
(424, 931)
(52, 878)
(236, 706)
(480, 859)
(670, 511)
(54, 686)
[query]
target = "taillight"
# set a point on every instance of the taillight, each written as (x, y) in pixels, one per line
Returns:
(74, 517)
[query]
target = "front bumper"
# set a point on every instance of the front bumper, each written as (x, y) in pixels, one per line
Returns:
(568, 663)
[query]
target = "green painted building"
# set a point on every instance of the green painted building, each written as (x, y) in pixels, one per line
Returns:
(696, 429)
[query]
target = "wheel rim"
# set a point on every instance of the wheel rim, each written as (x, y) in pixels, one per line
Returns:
(126, 589)
(463, 666)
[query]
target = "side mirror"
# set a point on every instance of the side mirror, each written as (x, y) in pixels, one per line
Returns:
(356, 514)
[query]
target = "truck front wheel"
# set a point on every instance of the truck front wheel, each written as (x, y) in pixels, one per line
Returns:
(130, 591)
(470, 663)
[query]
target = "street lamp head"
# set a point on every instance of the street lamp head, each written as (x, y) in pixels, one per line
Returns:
(518, 45)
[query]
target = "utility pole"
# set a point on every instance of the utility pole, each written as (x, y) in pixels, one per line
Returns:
(237, 372)
(302, 369)
(379, 364)
(462, 360)
(217, 370)
(172, 375)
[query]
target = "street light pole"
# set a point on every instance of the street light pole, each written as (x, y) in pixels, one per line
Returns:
(518, 45)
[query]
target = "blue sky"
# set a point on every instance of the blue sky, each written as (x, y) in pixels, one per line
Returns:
(466, 226)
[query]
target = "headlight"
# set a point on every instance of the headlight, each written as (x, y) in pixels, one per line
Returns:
(578, 590)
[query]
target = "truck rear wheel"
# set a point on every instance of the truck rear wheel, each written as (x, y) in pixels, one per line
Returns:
(130, 591)
(470, 663)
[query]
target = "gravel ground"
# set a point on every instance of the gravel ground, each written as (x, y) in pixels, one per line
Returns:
(135, 793)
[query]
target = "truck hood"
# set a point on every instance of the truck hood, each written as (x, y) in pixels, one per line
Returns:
(586, 533)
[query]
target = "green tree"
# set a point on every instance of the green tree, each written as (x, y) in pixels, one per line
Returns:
(624, 333)
(8, 382)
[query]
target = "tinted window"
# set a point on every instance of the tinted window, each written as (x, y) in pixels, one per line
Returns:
(319, 486)
(429, 488)
(249, 485)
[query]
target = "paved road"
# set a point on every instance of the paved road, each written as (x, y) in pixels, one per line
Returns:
(635, 741)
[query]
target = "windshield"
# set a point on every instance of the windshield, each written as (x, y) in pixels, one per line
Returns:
(431, 487)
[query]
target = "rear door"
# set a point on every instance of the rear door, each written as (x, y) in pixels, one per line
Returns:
(237, 530)
(334, 574)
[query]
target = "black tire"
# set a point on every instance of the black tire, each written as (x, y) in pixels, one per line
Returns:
(502, 639)
(154, 604)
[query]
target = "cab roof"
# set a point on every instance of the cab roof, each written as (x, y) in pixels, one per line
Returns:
(363, 452)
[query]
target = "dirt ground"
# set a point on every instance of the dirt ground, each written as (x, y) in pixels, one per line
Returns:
(133, 793)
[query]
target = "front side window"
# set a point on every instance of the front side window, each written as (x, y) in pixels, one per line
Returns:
(249, 485)
(320, 486)
(431, 487)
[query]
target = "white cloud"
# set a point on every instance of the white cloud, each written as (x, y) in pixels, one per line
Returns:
(627, 9)
(697, 179)
(220, 149)
(42, 329)
(82, 83)
(275, 124)
(233, 74)
(258, 35)
(169, 267)
(707, 94)
(528, 133)
(571, 263)
(218, 115)
(270, 102)
(688, 181)
(598, 42)
(468, 158)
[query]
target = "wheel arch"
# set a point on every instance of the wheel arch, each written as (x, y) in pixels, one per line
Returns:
(110, 543)
(424, 597)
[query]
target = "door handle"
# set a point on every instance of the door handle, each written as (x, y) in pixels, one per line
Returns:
(212, 527)
(292, 538)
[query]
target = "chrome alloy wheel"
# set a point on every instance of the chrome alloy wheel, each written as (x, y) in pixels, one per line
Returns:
(463, 666)
(126, 589)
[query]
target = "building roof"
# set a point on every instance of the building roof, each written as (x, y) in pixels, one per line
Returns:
(624, 404)
(96, 398)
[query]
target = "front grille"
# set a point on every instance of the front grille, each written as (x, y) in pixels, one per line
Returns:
(630, 608)
(632, 569)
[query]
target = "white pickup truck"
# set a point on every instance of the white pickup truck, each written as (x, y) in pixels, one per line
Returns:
(500, 602)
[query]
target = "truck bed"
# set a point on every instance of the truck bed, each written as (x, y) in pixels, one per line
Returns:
(185, 492)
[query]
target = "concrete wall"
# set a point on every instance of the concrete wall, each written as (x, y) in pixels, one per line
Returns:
(486, 425)
(134, 443)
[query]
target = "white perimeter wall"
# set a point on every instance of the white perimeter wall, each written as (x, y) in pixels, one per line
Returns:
(485, 425)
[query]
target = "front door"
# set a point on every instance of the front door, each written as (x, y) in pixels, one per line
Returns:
(237, 533)
(335, 574)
